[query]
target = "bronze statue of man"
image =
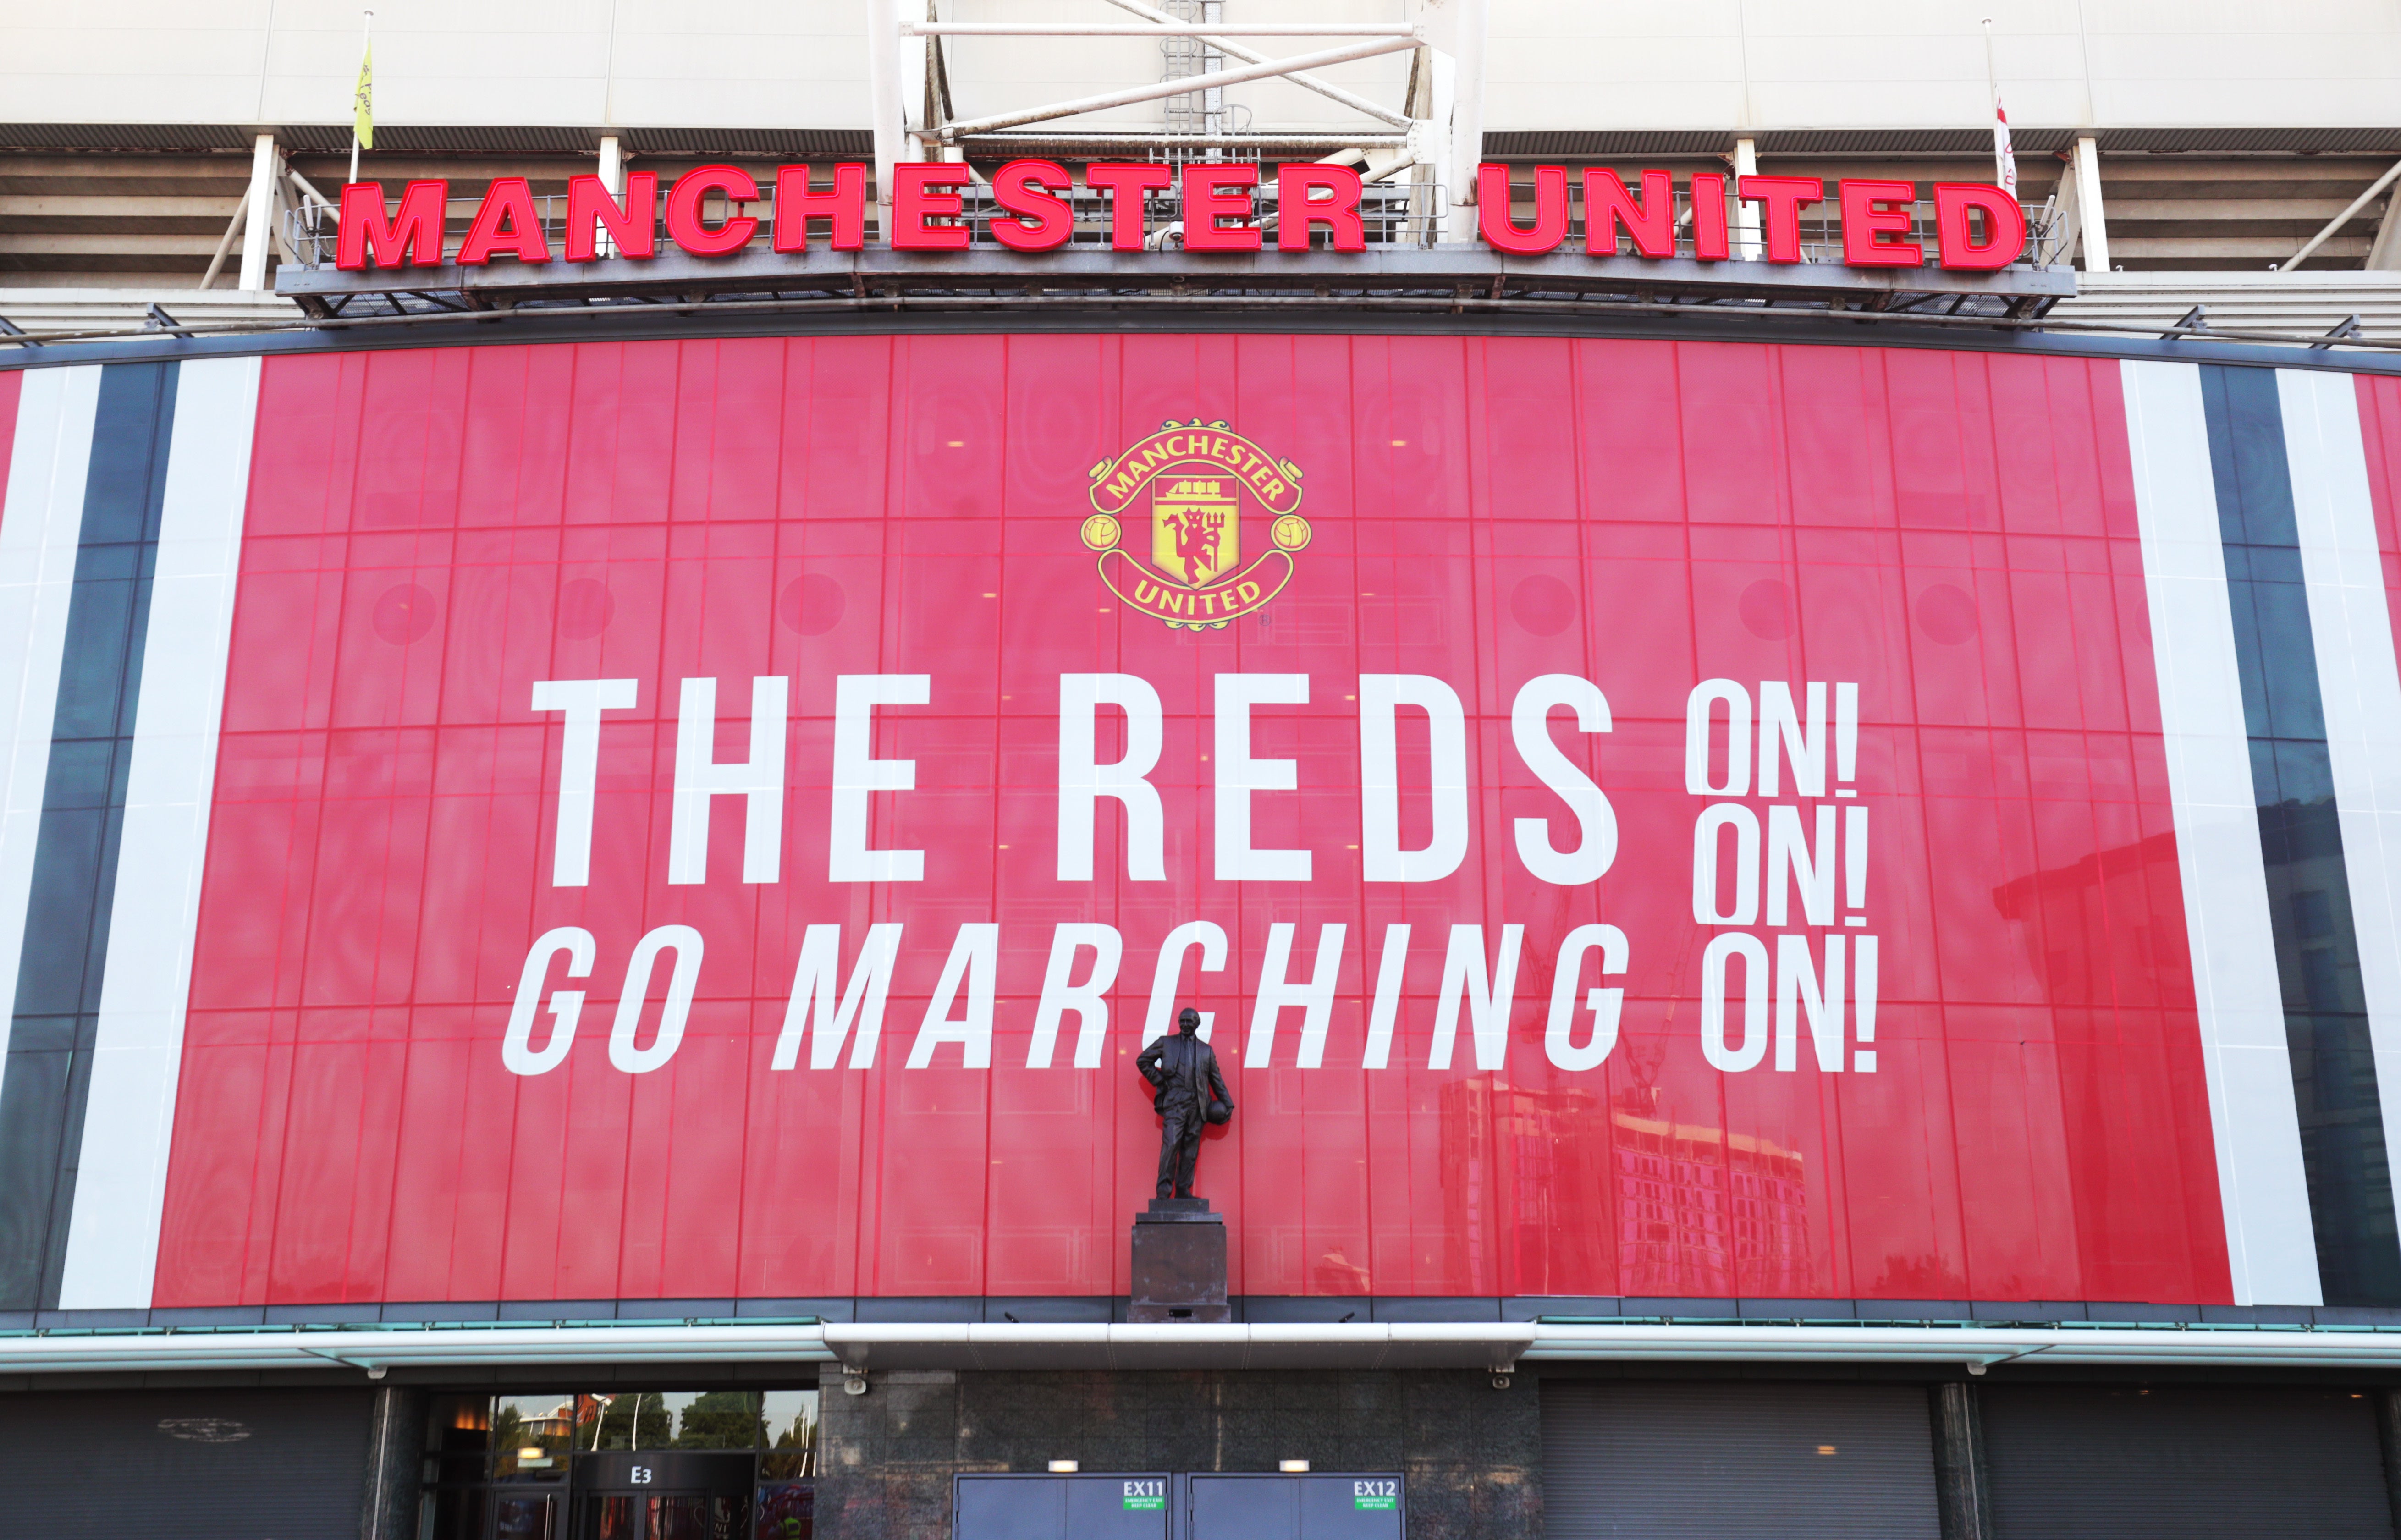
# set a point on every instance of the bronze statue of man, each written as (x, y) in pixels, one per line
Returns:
(1189, 1094)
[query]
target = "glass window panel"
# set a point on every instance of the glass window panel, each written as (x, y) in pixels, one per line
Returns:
(672, 1419)
(530, 1436)
(453, 1515)
(612, 1519)
(696, 1518)
(459, 1426)
(525, 1518)
(624, 1420)
(715, 1419)
(792, 1440)
(786, 1510)
(454, 1470)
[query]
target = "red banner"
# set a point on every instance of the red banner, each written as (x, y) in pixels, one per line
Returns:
(1675, 819)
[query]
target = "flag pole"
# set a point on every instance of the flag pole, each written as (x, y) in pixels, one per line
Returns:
(2005, 160)
(366, 52)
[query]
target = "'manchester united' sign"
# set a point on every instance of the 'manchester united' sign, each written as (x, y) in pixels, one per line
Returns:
(707, 214)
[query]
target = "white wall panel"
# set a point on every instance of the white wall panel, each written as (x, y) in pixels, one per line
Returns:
(1555, 63)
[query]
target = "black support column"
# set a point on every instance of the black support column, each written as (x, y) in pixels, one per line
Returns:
(395, 1453)
(1961, 1491)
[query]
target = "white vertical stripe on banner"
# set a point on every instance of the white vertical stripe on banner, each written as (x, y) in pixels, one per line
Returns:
(121, 1182)
(41, 528)
(2269, 1242)
(2360, 683)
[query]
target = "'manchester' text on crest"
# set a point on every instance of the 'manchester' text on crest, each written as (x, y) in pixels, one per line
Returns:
(1197, 477)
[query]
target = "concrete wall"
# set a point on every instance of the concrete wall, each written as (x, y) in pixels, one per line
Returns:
(1471, 1454)
(1559, 65)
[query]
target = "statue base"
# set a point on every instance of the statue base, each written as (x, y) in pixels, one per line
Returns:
(1179, 1263)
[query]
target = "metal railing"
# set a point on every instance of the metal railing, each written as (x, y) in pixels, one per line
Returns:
(1822, 233)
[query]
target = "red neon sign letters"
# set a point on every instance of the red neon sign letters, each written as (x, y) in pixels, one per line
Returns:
(708, 213)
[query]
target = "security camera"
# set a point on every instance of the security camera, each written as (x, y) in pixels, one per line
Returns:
(854, 1383)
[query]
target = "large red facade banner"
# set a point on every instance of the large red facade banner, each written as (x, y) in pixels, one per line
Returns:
(700, 820)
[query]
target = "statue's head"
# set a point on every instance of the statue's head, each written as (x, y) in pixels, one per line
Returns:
(1188, 1021)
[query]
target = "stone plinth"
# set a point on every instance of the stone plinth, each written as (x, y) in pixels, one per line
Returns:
(1179, 1262)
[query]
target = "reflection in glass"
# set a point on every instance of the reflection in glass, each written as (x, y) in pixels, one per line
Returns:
(791, 1417)
(788, 1511)
(530, 1436)
(612, 1519)
(1702, 1213)
(672, 1419)
(525, 1518)
(716, 1518)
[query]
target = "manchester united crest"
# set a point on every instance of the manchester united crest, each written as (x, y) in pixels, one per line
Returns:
(1195, 481)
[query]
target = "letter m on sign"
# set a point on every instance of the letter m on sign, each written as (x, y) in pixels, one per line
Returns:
(412, 237)
(861, 1005)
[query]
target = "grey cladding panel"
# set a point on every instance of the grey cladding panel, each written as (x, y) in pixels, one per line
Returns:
(230, 1465)
(1030, 1510)
(1635, 1459)
(1255, 1510)
(2183, 1463)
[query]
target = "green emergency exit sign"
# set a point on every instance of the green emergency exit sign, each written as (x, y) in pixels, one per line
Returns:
(1374, 1496)
(1146, 1496)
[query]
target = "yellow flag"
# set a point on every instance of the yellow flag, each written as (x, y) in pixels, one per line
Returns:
(365, 120)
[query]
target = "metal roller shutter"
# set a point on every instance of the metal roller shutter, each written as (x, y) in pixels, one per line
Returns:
(197, 1464)
(2188, 1463)
(1735, 1460)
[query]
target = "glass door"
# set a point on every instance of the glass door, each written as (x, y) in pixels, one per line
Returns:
(663, 1516)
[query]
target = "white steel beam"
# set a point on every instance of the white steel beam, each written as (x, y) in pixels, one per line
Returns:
(225, 242)
(1744, 216)
(2091, 219)
(1474, 25)
(887, 109)
(1218, 40)
(2344, 218)
(258, 238)
(612, 176)
(1153, 91)
(1163, 29)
